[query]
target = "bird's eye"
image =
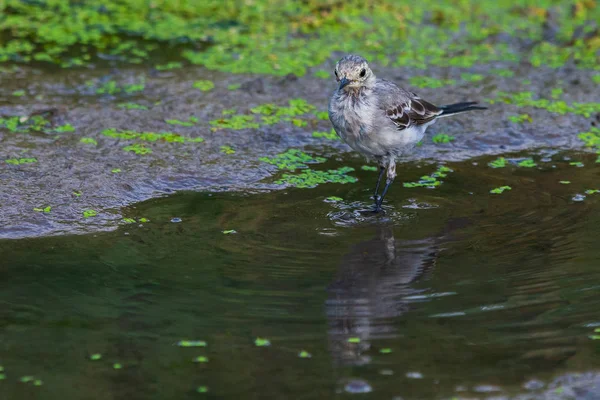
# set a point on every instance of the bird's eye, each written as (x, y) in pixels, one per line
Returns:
(363, 72)
(335, 72)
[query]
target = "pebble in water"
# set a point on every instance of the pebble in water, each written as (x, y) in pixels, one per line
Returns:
(578, 197)
(176, 219)
(358, 386)
(414, 375)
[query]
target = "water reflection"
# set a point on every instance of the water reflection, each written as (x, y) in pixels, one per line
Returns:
(369, 292)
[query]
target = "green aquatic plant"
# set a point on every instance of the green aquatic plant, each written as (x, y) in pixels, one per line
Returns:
(292, 159)
(505, 73)
(442, 138)
(169, 66)
(204, 85)
(369, 168)
(36, 123)
(191, 121)
(578, 164)
(471, 77)
(44, 210)
(500, 162)
(564, 182)
(322, 115)
(137, 148)
(528, 163)
(322, 74)
(227, 149)
(132, 106)
(169, 137)
(87, 140)
(429, 82)
(556, 93)
(517, 119)
(116, 170)
(235, 122)
(117, 366)
(304, 354)
(592, 191)
(96, 357)
(191, 343)
(261, 342)
(229, 232)
(430, 181)
(18, 93)
(353, 340)
(21, 161)
(525, 99)
(309, 178)
(500, 190)
(333, 199)
(385, 350)
(202, 389)
(596, 79)
(112, 87)
(200, 359)
(331, 135)
(90, 213)
(591, 138)
(234, 86)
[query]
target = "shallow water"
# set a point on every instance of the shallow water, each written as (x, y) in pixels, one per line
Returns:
(476, 295)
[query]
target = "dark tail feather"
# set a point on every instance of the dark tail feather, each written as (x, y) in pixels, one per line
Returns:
(460, 107)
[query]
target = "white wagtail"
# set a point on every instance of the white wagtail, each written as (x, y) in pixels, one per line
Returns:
(379, 119)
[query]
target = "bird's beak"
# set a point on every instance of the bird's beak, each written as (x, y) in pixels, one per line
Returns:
(343, 82)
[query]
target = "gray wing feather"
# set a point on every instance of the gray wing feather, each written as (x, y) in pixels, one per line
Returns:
(403, 108)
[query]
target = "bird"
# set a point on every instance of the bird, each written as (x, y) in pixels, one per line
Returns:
(379, 119)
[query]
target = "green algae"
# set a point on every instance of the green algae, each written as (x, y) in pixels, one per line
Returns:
(262, 342)
(132, 106)
(442, 138)
(322, 74)
(311, 178)
(36, 123)
(190, 122)
(505, 73)
(169, 66)
(18, 93)
(204, 85)
(137, 148)
(471, 77)
(525, 99)
(117, 366)
(292, 159)
(322, 115)
(90, 213)
(500, 190)
(517, 119)
(333, 199)
(430, 181)
(202, 389)
(369, 168)
(385, 350)
(200, 359)
(87, 140)
(500, 162)
(112, 87)
(95, 357)
(227, 150)
(234, 86)
(429, 82)
(591, 138)
(528, 163)
(191, 343)
(577, 164)
(304, 354)
(229, 232)
(44, 210)
(21, 161)
(331, 135)
(353, 340)
(235, 122)
(168, 137)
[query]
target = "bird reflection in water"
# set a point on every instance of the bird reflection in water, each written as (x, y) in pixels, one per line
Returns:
(369, 294)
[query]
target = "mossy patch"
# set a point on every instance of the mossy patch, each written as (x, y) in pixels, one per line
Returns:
(525, 99)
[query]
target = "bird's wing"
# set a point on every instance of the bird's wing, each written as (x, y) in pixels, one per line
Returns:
(404, 108)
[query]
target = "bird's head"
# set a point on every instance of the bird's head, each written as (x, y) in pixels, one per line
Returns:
(353, 72)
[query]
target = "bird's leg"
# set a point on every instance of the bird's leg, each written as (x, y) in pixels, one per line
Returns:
(381, 171)
(391, 174)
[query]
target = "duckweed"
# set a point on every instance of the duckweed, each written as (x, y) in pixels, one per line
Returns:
(310, 178)
(261, 342)
(44, 210)
(138, 149)
(200, 359)
(169, 137)
(235, 122)
(190, 122)
(234, 86)
(442, 138)
(21, 161)
(229, 232)
(331, 135)
(564, 182)
(304, 354)
(202, 389)
(168, 66)
(500, 162)
(430, 181)
(90, 213)
(520, 118)
(18, 93)
(369, 168)
(322, 74)
(292, 159)
(322, 115)
(132, 106)
(471, 77)
(204, 85)
(385, 350)
(500, 190)
(112, 87)
(529, 163)
(36, 123)
(191, 343)
(333, 199)
(428, 82)
(578, 164)
(525, 99)
(353, 340)
(227, 150)
(117, 366)
(96, 357)
(87, 140)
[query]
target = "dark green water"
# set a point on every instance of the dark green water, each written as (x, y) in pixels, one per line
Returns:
(475, 294)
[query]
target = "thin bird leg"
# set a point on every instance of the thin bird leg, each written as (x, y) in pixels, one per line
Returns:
(381, 171)
(391, 174)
